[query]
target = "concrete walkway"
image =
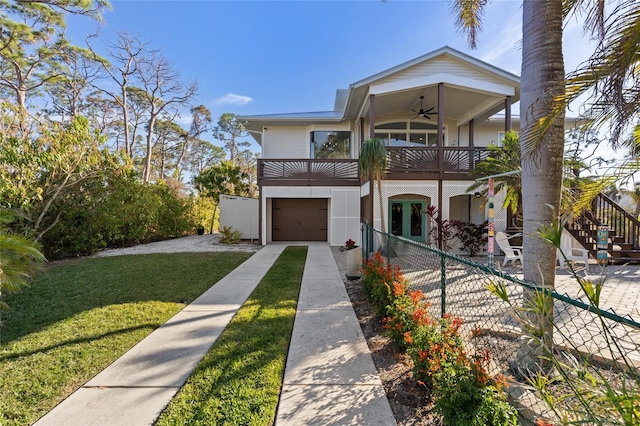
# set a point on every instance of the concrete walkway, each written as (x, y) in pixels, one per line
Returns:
(330, 377)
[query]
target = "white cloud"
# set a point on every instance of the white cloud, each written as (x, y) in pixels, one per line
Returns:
(233, 99)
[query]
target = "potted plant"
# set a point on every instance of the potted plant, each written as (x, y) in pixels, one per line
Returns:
(200, 229)
(354, 259)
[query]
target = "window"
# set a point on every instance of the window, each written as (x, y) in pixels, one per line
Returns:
(501, 136)
(414, 133)
(331, 145)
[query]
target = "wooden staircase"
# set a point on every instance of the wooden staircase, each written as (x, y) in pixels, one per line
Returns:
(624, 230)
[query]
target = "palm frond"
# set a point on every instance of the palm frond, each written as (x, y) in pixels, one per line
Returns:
(611, 73)
(469, 14)
(373, 159)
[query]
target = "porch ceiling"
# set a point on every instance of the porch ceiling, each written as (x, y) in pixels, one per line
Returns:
(460, 104)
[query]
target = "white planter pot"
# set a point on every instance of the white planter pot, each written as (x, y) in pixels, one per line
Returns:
(354, 261)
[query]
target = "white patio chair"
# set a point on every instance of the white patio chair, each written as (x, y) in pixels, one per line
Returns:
(511, 253)
(573, 254)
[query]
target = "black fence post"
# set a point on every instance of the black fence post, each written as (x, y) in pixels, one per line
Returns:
(388, 245)
(443, 284)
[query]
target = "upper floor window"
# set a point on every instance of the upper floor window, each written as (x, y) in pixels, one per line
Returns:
(331, 145)
(414, 133)
(501, 136)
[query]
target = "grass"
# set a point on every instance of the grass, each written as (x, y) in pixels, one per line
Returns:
(238, 382)
(79, 317)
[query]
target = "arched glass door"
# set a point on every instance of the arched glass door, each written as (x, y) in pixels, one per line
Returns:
(407, 219)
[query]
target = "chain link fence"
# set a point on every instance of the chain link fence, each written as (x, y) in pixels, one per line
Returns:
(582, 334)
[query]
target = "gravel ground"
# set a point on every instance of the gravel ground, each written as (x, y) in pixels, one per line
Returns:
(190, 244)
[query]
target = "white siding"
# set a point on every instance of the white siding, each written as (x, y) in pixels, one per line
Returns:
(429, 189)
(286, 142)
(344, 210)
(488, 135)
(441, 66)
(241, 214)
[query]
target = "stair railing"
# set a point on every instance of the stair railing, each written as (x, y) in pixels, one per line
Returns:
(618, 219)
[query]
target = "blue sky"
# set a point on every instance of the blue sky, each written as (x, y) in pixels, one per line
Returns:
(259, 57)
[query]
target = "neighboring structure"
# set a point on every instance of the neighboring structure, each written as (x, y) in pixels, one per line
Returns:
(241, 214)
(436, 115)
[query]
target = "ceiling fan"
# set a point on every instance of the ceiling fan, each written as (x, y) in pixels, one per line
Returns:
(423, 112)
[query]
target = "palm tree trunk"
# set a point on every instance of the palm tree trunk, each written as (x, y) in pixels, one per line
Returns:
(542, 79)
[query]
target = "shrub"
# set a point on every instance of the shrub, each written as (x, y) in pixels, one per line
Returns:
(472, 236)
(229, 236)
(463, 391)
(118, 212)
(378, 280)
(406, 313)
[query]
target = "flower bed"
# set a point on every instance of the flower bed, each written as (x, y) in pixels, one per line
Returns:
(463, 391)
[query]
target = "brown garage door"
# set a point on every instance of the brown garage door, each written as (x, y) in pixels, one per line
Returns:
(299, 219)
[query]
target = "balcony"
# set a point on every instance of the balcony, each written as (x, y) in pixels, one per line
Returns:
(433, 163)
(293, 172)
(403, 163)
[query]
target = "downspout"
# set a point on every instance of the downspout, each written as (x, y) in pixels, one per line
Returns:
(507, 114)
(372, 115)
(441, 128)
(441, 156)
(260, 239)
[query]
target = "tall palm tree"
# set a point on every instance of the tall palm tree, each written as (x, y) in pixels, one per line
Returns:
(542, 141)
(373, 165)
(542, 109)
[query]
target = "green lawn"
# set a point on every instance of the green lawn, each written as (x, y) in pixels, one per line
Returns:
(78, 317)
(239, 380)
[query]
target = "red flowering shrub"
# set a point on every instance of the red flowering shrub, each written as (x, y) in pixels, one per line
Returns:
(406, 312)
(463, 391)
(382, 282)
(456, 378)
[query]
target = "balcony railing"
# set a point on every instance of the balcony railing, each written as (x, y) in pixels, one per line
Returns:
(308, 172)
(411, 163)
(433, 162)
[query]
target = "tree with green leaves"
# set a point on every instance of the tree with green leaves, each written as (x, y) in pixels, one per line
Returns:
(545, 94)
(229, 130)
(202, 155)
(502, 159)
(33, 45)
(200, 123)
(34, 174)
(169, 141)
(222, 178)
(373, 165)
(609, 77)
(248, 162)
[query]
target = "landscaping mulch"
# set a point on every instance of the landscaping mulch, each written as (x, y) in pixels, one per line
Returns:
(410, 402)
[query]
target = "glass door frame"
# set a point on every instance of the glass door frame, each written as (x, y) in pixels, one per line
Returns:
(406, 218)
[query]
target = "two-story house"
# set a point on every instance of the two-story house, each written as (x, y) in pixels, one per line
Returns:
(436, 114)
